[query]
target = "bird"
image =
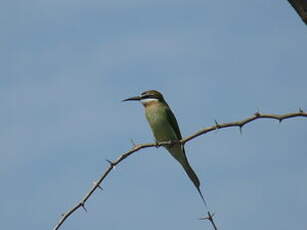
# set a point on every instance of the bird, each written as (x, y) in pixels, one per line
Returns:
(165, 127)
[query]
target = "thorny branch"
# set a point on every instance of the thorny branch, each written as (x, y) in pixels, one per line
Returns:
(240, 124)
(210, 218)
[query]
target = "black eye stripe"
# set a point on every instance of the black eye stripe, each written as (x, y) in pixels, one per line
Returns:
(149, 96)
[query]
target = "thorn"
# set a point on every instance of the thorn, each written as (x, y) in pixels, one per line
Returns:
(217, 124)
(63, 214)
(240, 128)
(280, 120)
(111, 163)
(98, 185)
(157, 144)
(83, 206)
(300, 109)
(132, 142)
(204, 218)
(209, 217)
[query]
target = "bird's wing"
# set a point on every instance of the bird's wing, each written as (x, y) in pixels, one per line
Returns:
(172, 120)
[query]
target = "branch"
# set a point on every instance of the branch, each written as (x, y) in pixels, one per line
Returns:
(240, 124)
(210, 218)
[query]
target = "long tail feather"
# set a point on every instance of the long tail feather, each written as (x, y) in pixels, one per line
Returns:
(178, 153)
(192, 175)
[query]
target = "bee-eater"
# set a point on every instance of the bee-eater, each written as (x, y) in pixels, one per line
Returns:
(164, 126)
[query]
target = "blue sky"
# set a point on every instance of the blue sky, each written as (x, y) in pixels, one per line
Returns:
(66, 67)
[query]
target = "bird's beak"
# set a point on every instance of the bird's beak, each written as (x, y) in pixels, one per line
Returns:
(137, 98)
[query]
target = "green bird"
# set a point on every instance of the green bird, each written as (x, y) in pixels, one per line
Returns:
(164, 126)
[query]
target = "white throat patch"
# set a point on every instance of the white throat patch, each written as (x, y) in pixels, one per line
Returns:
(148, 100)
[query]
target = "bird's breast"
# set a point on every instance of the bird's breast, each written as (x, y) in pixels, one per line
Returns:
(159, 123)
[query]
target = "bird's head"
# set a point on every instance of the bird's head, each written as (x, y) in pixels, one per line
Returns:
(148, 97)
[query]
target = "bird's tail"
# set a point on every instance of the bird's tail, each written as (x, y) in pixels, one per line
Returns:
(178, 153)
(192, 175)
